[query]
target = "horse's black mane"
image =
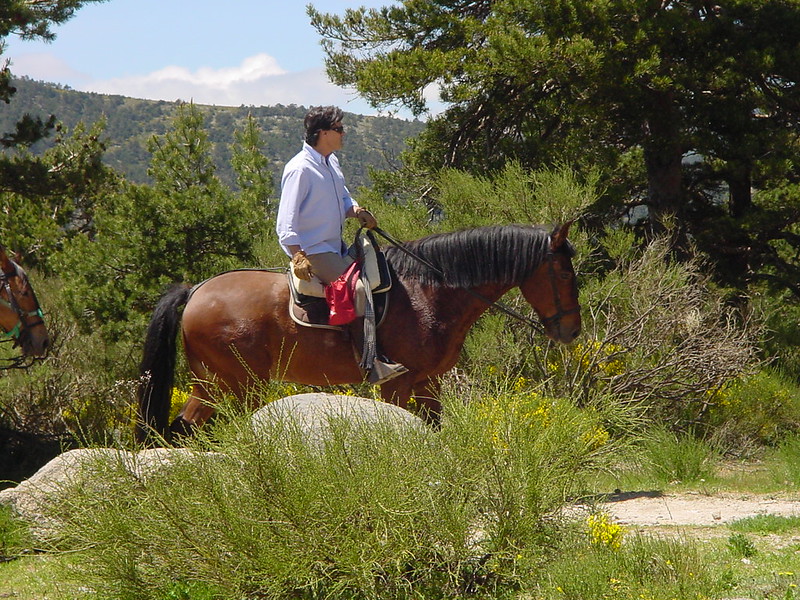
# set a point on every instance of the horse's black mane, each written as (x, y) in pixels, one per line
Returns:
(473, 257)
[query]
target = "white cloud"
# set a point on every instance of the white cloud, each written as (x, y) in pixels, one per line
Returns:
(253, 68)
(42, 66)
(257, 81)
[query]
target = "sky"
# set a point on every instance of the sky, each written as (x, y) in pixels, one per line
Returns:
(221, 52)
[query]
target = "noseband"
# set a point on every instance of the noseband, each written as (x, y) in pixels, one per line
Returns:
(560, 312)
(21, 327)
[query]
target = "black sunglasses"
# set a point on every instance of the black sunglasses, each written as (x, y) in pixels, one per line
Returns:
(338, 129)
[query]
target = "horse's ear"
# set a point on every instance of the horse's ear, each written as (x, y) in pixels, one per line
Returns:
(559, 235)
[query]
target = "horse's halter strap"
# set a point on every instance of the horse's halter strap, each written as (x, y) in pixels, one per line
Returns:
(16, 331)
(560, 312)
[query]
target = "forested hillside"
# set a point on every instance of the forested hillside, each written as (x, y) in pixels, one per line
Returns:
(371, 141)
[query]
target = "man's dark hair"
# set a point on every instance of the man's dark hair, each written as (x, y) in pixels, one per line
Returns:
(319, 118)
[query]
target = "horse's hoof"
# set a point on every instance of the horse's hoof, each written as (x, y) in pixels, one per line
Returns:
(179, 428)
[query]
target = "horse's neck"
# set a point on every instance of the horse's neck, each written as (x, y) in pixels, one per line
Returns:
(465, 306)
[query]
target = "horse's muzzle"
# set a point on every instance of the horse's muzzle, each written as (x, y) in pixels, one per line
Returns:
(35, 342)
(564, 326)
(565, 336)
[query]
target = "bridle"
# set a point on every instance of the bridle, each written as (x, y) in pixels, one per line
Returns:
(550, 258)
(560, 312)
(16, 333)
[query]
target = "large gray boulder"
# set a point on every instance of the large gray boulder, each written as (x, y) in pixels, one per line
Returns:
(315, 415)
(32, 500)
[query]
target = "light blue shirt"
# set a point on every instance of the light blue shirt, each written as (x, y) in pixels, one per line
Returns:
(314, 203)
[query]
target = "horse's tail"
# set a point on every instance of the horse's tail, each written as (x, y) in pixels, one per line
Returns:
(157, 369)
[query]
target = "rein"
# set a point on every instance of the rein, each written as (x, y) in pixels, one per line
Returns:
(503, 308)
(560, 312)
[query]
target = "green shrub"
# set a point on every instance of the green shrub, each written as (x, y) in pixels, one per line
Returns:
(667, 457)
(741, 546)
(784, 460)
(656, 333)
(760, 408)
(514, 195)
(370, 513)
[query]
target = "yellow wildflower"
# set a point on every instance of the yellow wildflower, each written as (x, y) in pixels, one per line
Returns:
(604, 532)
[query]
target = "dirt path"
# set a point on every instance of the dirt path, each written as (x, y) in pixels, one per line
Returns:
(654, 508)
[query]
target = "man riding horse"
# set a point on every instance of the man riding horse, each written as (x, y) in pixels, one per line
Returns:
(237, 332)
(314, 205)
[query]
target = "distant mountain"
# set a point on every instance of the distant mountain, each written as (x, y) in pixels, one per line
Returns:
(370, 141)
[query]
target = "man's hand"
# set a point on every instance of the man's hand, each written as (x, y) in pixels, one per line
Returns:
(302, 266)
(366, 218)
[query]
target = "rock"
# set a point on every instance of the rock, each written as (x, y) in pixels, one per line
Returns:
(83, 469)
(314, 414)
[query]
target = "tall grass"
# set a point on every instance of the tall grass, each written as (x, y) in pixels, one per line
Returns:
(644, 568)
(678, 457)
(371, 511)
(14, 535)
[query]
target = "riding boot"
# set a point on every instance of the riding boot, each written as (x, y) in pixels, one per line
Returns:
(382, 368)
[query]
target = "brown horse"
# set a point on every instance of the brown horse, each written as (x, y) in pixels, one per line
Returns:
(236, 327)
(21, 318)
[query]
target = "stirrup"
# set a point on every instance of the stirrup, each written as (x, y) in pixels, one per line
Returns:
(383, 371)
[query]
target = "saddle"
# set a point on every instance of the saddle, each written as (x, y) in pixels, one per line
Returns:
(308, 306)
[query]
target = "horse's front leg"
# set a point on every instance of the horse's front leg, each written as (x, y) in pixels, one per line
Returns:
(426, 395)
(399, 391)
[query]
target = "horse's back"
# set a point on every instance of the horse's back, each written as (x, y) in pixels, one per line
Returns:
(238, 293)
(237, 325)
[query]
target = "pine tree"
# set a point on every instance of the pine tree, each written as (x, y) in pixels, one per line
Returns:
(28, 20)
(185, 227)
(584, 81)
(253, 175)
